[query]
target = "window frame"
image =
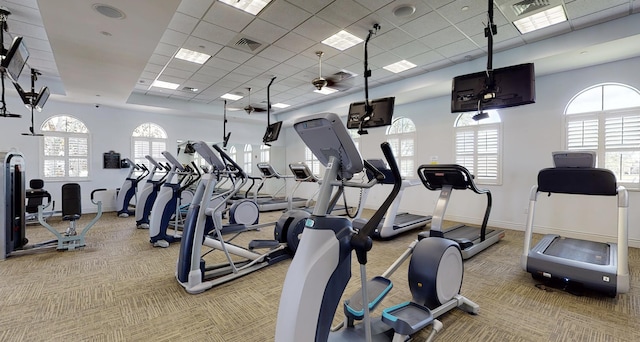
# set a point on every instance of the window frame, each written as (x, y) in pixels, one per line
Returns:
(478, 126)
(599, 141)
(247, 159)
(403, 136)
(150, 140)
(66, 136)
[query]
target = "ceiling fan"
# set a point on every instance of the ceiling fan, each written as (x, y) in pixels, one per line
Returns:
(341, 80)
(250, 108)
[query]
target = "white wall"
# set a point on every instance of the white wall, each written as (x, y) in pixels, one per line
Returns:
(110, 130)
(530, 134)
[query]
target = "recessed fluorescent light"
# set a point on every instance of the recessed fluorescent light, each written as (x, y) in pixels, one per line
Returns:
(192, 56)
(166, 85)
(250, 6)
(342, 40)
(232, 97)
(325, 91)
(281, 105)
(399, 66)
(540, 20)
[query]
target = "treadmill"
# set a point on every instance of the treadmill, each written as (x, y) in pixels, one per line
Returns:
(393, 222)
(302, 173)
(575, 263)
(276, 203)
(445, 178)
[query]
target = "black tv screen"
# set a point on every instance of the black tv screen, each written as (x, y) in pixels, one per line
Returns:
(15, 59)
(25, 99)
(42, 98)
(272, 132)
(381, 115)
(514, 86)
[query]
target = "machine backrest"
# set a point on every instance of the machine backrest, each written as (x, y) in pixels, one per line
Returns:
(327, 136)
(35, 195)
(577, 180)
(71, 201)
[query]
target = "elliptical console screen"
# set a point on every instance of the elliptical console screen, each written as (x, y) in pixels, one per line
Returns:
(381, 115)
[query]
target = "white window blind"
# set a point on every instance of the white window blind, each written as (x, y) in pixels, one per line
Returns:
(606, 118)
(477, 146)
(65, 148)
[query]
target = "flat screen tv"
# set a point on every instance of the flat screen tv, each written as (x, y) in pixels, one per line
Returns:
(42, 98)
(514, 86)
(381, 115)
(15, 59)
(272, 132)
(25, 99)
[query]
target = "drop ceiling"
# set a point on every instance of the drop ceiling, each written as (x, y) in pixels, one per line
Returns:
(87, 57)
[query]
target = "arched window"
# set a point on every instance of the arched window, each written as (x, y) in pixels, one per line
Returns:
(148, 139)
(265, 153)
(401, 135)
(65, 148)
(606, 118)
(233, 154)
(311, 161)
(355, 137)
(247, 158)
(478, 146)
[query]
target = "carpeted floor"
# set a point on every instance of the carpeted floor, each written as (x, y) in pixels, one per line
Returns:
(119, 288)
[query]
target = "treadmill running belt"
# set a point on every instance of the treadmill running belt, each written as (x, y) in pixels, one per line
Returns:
(579, 250)
(465, 232)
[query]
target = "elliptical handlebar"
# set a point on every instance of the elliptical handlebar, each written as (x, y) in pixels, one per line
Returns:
(361, 242)
(225, 158)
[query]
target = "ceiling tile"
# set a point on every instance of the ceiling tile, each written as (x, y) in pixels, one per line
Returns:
(184, 65)
(301, 62)
(284, 14)
(317, 29)
(276, 53)
(458, 48)
(387, 12)
(294, 42)
(195, 8)
(311, 6)
(455, 13)
(578, 9)
(426, 58)
(166, 50)
(213, 33)
(183, 23)
(261, 63)
(264, 31)
(383, 59)
(234, 55)
(222, 64)
(443, 37)
(411, 49)
(202, 45)
(600, 17)
(228, 17)
(342, 60)
(391, 39)
(172, 37)
(373, 5)
(424, 25)
(343, 13)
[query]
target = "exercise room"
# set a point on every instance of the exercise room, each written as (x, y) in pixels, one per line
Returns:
(258, 170)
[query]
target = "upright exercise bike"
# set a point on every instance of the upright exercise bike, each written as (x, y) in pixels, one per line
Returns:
(321, 268)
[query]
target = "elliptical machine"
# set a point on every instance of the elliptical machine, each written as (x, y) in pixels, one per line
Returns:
(129, 189)
(321, 268)
(148, 194)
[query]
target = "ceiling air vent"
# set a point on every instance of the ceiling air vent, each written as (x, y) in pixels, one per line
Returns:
(529, 6)
(247, 44)
(517, 9)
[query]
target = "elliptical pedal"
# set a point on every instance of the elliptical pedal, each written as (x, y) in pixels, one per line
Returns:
(377, 288)
(407, 318)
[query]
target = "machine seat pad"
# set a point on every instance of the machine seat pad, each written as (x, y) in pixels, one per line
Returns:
(73, 217)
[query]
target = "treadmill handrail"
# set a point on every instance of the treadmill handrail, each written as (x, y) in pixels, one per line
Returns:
(426, 172)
